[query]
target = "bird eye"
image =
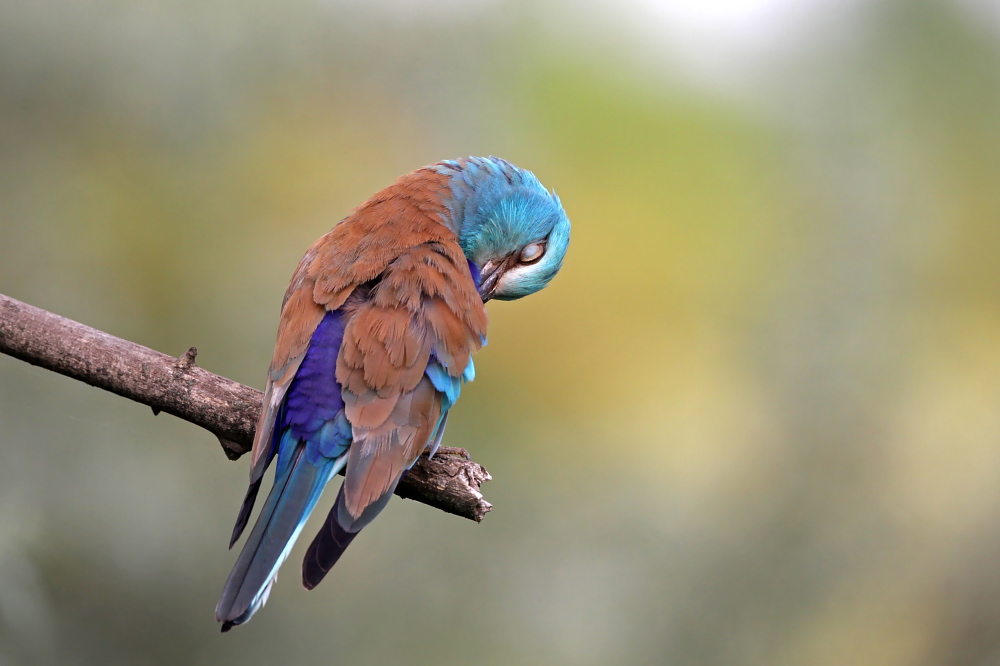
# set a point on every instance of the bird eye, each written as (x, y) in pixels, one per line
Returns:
(532, 253)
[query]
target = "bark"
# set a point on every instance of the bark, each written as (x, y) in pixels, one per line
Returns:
(229, 410)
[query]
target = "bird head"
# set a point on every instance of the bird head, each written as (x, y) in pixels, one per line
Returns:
(510, 227)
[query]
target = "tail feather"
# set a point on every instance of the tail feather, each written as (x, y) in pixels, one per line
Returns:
(245, 510)
(324, 551)
(281, 519)
(336, 535)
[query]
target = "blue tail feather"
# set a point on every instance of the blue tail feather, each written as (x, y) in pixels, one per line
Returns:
(293, 497)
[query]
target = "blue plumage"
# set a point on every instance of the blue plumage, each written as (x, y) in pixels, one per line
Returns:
(375, 341)
(498, 209)
(314, 408)
(312, 438)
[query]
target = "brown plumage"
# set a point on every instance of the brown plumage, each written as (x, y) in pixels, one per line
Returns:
(375, 338)
(424, 300)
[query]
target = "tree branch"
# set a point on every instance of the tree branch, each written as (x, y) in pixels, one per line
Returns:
(229, 410)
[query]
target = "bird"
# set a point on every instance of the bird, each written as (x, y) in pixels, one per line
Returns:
(375, 339)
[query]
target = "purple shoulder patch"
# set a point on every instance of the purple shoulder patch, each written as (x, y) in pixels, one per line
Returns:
(314, 395)
(475, 272)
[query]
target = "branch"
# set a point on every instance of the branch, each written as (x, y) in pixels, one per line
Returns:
(229, 410)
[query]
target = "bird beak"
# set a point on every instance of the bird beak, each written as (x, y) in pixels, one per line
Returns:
(489, 276)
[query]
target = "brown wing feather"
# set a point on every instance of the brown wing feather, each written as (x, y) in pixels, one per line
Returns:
(397, 272)
(359, 249)
(426, 301)
(377, 458)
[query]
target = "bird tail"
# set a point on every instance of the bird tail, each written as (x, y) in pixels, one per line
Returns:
(329, 544)
(337, 534)
(296, 490)
(245, 509)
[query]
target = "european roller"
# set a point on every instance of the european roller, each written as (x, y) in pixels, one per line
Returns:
(375, 339)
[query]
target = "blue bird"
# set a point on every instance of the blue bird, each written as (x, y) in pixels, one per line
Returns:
(375, 339)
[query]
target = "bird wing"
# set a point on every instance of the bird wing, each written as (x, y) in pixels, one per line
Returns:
(301, 314)
(426, 303)
(354, 253)
(405, 351)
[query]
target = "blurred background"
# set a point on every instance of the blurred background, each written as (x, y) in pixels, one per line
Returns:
(755, 420)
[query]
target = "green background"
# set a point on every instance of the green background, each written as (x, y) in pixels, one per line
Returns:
(755, 419)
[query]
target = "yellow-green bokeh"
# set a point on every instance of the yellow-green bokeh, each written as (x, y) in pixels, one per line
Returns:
(755, 420)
